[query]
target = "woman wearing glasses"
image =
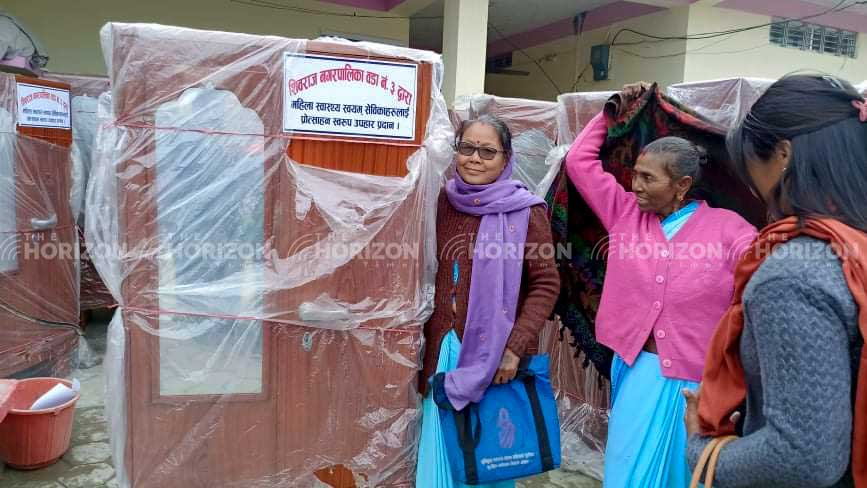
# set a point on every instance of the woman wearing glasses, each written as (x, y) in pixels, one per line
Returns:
(671, 262)
(495, 287)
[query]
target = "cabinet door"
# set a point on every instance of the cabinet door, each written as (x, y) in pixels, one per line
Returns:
(38, 246)
(202, 409)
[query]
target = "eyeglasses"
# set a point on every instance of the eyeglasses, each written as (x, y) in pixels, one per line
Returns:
(486, 153)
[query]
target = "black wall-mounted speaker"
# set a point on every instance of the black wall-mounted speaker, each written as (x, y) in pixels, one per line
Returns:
(599, 61)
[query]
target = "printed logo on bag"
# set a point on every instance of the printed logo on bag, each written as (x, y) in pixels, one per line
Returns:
(507, 429)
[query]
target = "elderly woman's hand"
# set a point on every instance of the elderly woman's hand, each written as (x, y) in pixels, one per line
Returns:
(691, 415)
(508, 368)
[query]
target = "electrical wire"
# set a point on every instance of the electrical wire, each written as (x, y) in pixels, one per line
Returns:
(675, 55)
(535, 61)
(48, 323)
(578, 27)
(697, 50)
(836, 8)
(839, 7)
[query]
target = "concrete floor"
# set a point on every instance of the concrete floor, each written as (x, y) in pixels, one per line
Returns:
(88, 462)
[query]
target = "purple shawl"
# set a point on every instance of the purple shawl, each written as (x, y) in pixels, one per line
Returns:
(495, 282)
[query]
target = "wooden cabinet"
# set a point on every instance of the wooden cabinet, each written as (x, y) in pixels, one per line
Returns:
(38, 280)
(235, 375)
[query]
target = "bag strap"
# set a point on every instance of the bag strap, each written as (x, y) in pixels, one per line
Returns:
(524, 365)
(477, 434)
(702, 461)
(714, 457)
(539, 419)
(464, 426)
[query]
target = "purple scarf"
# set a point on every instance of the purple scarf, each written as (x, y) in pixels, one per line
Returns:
(498, 262)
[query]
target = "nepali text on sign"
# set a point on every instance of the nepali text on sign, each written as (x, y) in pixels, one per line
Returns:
(329, 95)
(42, 106)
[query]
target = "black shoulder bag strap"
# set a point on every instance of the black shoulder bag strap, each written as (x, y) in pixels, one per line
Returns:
(529, 380)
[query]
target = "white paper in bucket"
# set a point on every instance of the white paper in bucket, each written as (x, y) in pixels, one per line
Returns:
(56, 396)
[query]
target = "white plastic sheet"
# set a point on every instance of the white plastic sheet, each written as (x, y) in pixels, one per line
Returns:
(84, 94)
(724, 101)
(575, 110)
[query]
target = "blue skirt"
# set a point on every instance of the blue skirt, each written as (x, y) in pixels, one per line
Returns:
(433, 469)
(646, 432)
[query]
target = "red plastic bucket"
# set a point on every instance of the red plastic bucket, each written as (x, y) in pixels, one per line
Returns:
(32, 439)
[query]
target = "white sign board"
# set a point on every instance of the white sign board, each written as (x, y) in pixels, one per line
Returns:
(337, 96)
(42, 106)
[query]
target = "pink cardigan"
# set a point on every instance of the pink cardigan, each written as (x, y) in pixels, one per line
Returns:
(676, 290)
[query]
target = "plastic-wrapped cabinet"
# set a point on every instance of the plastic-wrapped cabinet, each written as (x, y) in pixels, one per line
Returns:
(534, 134)
(725, 101)
(38, 241)
(85, 92)
(575, 110)
(262, 210)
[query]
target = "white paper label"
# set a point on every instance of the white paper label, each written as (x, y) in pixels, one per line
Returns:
(337, 96)
(42, 106)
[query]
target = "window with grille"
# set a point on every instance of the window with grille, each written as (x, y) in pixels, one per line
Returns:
(813, 37)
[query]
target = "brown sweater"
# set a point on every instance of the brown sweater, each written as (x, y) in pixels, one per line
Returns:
(540, 283)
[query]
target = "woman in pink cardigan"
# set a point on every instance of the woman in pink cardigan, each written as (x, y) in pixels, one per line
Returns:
(669, 280)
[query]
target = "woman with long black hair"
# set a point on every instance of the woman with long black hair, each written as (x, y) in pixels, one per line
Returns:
(786, 369)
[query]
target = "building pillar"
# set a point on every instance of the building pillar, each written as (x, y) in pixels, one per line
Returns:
(465, 41)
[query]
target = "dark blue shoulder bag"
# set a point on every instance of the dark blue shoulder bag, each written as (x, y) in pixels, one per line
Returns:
(513, 432)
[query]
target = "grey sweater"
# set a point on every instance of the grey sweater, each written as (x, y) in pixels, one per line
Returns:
(799, 351)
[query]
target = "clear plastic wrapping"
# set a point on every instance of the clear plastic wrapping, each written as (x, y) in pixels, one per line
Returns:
(582, 401)
(724, 101)
(575, 110)
(38, 241)
(534, 134)
(84, 94)
(269, 330)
